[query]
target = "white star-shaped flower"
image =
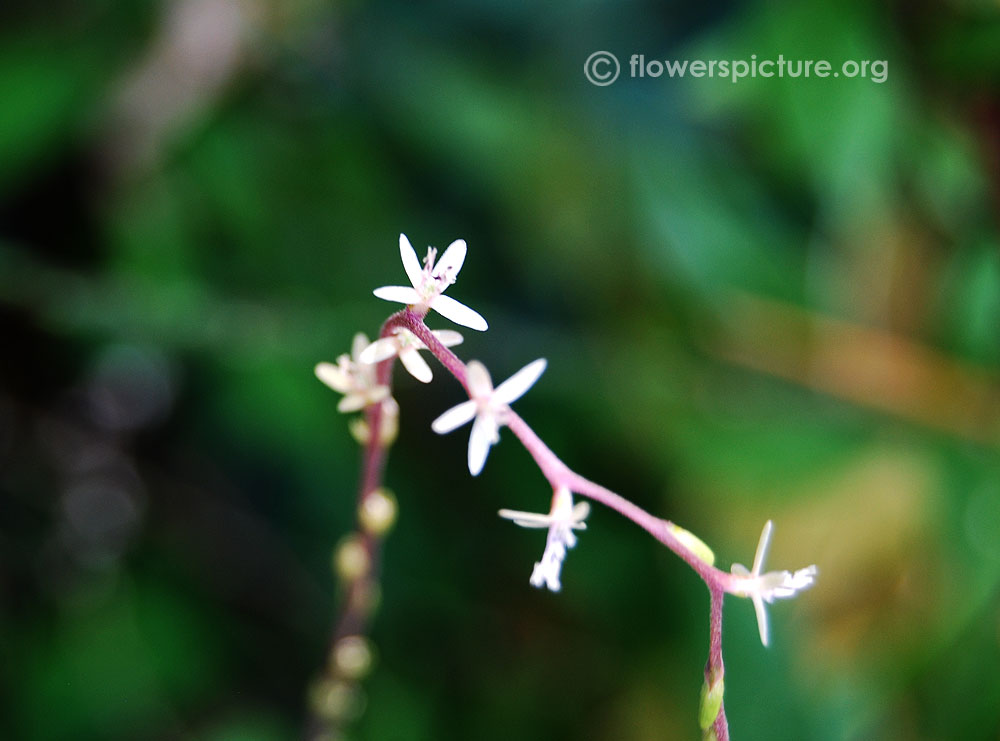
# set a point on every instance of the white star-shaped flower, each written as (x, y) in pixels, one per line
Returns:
(353, 378)
(428, 284)
(404, 344)
(561, 521)
(768, 587)
(489, 407)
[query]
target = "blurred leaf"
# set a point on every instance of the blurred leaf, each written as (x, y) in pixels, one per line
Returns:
(127, 664)
(250, 725)
(46, 97)
(971, 303)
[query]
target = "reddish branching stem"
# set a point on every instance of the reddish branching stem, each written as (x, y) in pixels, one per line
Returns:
(715, 669)
(557, 473)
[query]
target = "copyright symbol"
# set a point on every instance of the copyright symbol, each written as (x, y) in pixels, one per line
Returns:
(601, 68)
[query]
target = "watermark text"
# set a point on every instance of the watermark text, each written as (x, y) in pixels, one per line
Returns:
(603, 68)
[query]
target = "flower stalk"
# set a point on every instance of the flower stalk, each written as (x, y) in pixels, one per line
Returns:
(488, 408)
(712, 713)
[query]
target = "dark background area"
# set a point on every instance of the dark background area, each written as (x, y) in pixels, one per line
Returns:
(777, 298)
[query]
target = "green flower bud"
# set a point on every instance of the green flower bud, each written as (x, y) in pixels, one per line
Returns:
(693, 543)
(711, 703)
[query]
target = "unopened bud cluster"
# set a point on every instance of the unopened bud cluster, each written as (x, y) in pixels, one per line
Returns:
(352, 558)
(337, 696)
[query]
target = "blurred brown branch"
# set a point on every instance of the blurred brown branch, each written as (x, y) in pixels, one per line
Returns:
(868, 366)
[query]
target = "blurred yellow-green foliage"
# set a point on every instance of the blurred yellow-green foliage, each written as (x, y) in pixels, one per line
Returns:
(778, 298)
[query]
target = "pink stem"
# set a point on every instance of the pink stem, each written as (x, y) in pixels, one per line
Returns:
(715, 667)
(559, 475)
(356, 614)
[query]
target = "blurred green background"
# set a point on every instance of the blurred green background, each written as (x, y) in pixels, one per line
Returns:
(772, 299)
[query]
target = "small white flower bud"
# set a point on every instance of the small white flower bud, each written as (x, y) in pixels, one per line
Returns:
(352, 657)
(351, 560)
(377, 512)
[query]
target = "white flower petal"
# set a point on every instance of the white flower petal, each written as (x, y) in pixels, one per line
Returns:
(784, 584)
(401, 294)
(762, 545)
(563, 511)
(377, 394)
(546, 574)
(526, 519)
(379, 350)
(333, 377)
(548, 570)
(416, 365)
(478, 378)
(483, 435)
(406, 338)
(359, 343)
(352, 403)
(516, 386)
(411, 263)
(454, 417)
(758, 606)
(451, 261)
(803, 578)
(459, 313)
(447, 337)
